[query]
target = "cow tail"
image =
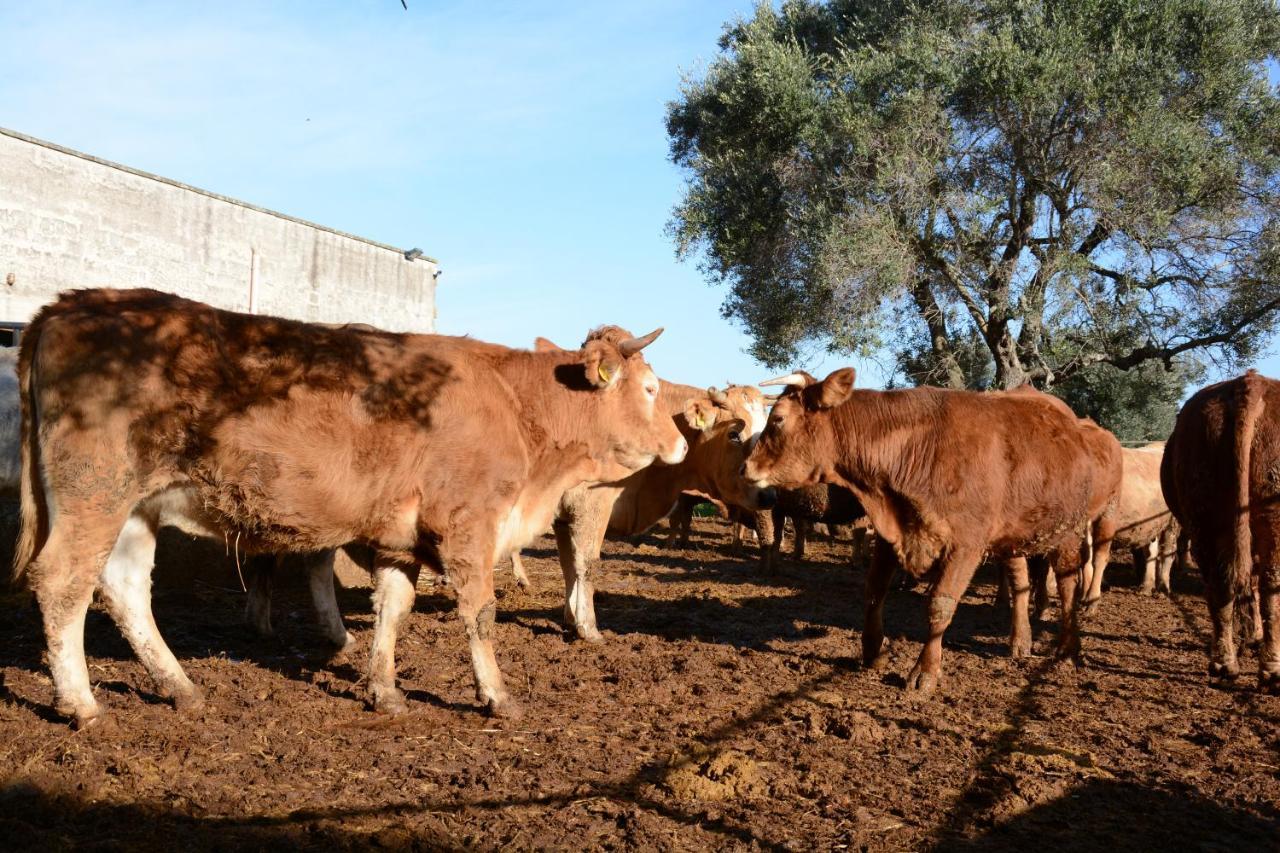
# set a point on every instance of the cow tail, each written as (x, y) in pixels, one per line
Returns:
(1240, 552)
(34, 523)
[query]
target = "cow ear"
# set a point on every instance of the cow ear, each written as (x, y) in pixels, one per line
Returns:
(602, 363)
(701, 414)
(836, 388)
(544, 345)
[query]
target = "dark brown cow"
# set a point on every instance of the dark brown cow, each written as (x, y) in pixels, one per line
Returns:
(1221, 479)
(820, 504)
(282, 436)
(946, 476)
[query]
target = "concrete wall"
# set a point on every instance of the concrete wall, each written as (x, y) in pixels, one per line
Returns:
(70, 220)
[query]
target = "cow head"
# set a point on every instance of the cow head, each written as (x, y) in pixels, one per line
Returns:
(634, 429)
(796, 444)
(726, 424)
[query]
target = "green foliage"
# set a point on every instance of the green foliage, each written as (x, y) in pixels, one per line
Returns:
(1139, 404)
(997, 190)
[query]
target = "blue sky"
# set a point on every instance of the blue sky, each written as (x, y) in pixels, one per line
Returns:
(521, 144)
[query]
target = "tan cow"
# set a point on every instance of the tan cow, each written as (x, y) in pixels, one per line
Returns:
(1143, 524)
(1220, 478)
(282, 436)
(946, 476)
(716, 425)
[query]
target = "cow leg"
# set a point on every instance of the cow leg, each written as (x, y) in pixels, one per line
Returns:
(802, 532)
(394, 591)
(884, 562)
(578, 543)
(63, 577)
(1019, 620)
(1168, 544)
(957, 571)
(1038, 570)
(1002, 589)
(770, 525)
(1104, 530)
(325, 600)
(257, 609)
(861, 542)
(126, 590)
(478, 609)
(1069, 567)
(1150, 557)
(517, 569)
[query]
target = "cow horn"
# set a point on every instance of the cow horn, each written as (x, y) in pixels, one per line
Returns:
(790, 379)
(717, 397)
(631, 346)
(771, 398)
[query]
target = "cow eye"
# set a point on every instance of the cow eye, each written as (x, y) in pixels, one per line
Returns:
(735, 437)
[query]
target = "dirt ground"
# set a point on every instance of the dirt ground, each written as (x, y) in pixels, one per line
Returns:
(724, 710)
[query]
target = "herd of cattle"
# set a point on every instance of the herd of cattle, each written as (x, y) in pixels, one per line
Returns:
(132, 409)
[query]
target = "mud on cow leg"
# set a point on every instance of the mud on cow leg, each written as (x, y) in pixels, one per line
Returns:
(957, 571)
(395, 588)
(478, 610)
(126, 591)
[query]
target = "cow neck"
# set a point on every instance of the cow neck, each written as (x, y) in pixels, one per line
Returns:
(884, 439)
(560, 423)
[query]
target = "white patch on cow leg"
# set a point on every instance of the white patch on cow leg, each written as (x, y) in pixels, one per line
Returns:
(1149, 567)
(257, 608)
(126, 589)
(393, 597)
(325, 601)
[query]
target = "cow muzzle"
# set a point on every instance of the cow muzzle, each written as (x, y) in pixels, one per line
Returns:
(676, 453)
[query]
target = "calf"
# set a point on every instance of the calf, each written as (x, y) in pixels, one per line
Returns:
(280, 436)
(946, 476)
(1220, 478)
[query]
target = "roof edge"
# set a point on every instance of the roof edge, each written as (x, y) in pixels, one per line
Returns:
(61, 149)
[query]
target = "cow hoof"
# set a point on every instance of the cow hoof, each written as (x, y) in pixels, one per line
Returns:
(1221, 673)
(1269, 681)
(1090, 606)
(1147, 590)
(84, 718)
(922, 683)
(590, 635)
(1020, 649)
(188, 700)
(506, 709)
(390, 702)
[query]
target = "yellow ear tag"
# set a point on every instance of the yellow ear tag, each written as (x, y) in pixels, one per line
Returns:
(605, 374)
(700, 421)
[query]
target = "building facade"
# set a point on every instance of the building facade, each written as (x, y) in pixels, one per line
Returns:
(70, 220)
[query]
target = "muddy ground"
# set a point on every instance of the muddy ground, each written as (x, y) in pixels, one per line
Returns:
(724, 710)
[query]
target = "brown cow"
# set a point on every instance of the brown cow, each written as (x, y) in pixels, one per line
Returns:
(283, 436)
(1221, 479)
(946, 476)
(1143, 524)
